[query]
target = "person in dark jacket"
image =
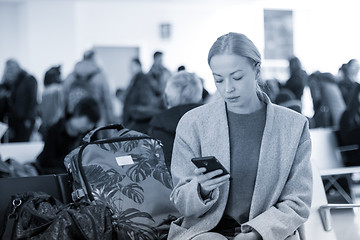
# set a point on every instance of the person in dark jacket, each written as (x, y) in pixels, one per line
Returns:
(141, 99)
(350, 119)
(66, 135)
(158, 72)
(298, 78)
(20, 101)
(349, 132)
(350, 71)
(183, 92)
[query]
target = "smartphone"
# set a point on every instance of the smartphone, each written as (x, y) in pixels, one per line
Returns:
(210, 163)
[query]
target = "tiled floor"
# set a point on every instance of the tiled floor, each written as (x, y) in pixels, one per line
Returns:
(346, 222)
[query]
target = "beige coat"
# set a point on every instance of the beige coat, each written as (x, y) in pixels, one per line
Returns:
(283, 188)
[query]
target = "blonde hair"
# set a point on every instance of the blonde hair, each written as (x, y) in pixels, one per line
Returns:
(235, 43)
(187, 86)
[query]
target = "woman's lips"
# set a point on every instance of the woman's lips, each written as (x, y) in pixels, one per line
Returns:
(232, 99)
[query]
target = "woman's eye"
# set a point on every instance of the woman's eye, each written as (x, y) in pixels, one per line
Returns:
(237, 78)
(219, 80)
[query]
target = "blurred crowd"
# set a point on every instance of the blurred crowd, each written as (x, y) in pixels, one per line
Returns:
(153, 102)
(335, 101)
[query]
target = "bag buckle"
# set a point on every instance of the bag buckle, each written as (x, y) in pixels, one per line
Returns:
(77, 194)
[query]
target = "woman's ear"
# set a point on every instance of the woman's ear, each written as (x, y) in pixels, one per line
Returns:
(257, 69)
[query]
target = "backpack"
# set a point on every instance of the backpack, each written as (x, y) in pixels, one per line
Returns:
(127, 173)
(80, 88)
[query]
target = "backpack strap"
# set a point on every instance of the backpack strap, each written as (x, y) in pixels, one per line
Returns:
(86, 141)
(90, 135)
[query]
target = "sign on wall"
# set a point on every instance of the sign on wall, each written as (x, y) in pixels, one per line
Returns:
(278, 27)
(165, 31)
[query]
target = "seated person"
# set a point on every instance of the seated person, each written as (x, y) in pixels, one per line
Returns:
(66, 135)
(265, 147)
(183, 92)
(286, 98)
(298, 78)
(350, 128)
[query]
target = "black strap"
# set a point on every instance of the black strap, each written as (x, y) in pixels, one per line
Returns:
(9, 228)
(89, 137)
(11, 219)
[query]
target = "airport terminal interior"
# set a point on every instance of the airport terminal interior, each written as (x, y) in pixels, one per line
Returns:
(68, 67)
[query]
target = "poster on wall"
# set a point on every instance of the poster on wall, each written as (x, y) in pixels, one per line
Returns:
(278, 27)
(165, 31)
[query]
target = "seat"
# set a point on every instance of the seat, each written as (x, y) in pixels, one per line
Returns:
(57, 186)
(349, 146)
(319, 225)
(326, 153)
(328, 168)
(314, 228)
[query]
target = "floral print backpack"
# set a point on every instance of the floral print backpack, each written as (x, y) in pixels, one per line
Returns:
(127, 173)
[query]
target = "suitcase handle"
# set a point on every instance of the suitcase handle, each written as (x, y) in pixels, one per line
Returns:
(89, 136)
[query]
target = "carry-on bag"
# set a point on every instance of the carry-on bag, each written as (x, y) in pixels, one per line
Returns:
(126, 172)
(37, 216)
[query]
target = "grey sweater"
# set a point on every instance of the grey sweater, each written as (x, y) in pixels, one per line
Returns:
(245, 132)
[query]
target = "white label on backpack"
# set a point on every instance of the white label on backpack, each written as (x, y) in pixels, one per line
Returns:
(124, 160)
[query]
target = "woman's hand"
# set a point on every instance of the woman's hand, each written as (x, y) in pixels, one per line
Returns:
(253, 235)
(209, 181)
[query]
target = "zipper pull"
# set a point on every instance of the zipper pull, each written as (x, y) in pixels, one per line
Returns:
(15, 204)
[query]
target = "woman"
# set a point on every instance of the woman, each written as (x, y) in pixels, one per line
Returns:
(266, 148)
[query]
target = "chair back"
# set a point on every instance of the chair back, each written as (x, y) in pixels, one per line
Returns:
(325, 149)
(313, 227)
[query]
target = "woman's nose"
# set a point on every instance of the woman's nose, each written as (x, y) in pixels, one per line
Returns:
(228, 86)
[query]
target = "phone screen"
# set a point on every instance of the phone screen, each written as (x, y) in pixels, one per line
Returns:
(210, 163)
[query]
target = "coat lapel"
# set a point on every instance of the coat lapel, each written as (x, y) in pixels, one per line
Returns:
(218, 144)
(265, 167)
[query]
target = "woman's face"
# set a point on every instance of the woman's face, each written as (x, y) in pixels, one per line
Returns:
(235, 79)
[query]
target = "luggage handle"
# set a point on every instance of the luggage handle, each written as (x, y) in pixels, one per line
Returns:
(89, 136)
